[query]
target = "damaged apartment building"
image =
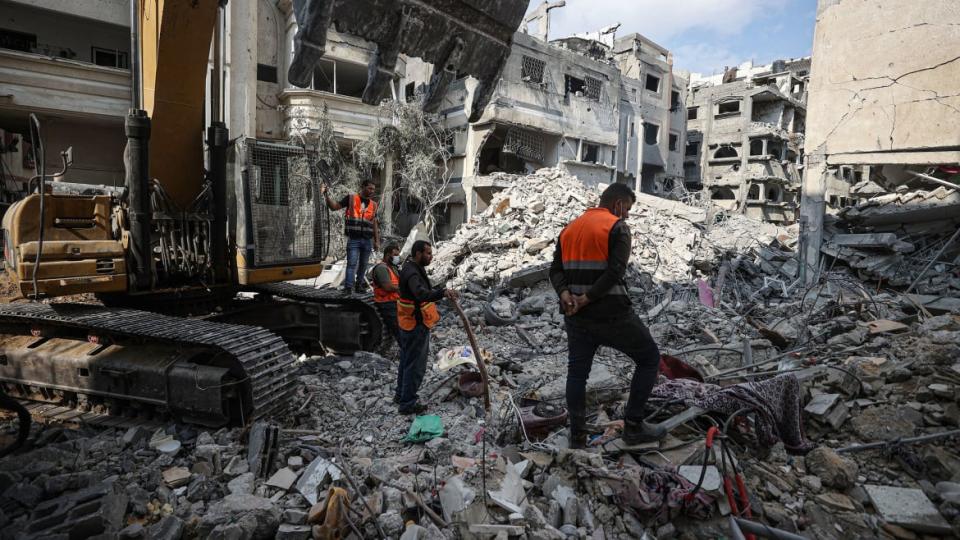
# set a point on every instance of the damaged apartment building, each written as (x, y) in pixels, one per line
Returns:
(745, 138)
(603, 108)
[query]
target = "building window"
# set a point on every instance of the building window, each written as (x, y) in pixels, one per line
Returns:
(17, 41)
(633, 94)
(574, 85)
(652, 83)
(591, 153)
(756, 147)
(692, 113)
(267, 73)
(729, 107)
(725, 152)
(754, 193)
(674, 142)
(674, 100)
(693, 148)
(109, 57)
(651, 133)
(593, 88)
(723, 194)
(531, 69)
(341, 78)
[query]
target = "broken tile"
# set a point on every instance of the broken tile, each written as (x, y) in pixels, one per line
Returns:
(909, 508)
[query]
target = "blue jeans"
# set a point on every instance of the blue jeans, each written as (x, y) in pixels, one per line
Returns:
(626, 334)
(358, 253)
(414, 349)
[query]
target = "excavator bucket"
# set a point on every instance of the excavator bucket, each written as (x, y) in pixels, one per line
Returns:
(470, 37)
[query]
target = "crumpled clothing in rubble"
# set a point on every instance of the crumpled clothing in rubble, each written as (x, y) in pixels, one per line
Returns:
(660, 491)
(776, 402)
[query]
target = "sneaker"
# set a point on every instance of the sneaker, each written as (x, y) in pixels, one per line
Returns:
(346, 289)
(636, 433)
(361, 287)
(416, 408)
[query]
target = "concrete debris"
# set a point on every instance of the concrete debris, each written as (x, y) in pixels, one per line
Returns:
(722, 300)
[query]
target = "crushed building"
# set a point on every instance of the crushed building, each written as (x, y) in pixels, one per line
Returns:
(745, 138)
(604, 108)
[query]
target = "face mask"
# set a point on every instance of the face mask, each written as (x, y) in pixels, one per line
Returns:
(396, 260)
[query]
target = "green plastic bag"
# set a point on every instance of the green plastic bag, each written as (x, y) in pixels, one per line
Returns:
(424, 428)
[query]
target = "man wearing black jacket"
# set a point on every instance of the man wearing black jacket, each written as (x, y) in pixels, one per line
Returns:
(416, 315)
(587, 272)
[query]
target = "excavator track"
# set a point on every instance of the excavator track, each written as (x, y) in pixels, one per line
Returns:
(139, 362)
(345, 323)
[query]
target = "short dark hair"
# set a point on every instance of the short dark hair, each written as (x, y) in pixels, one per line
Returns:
(617, 192)
(419, 247)
(367, 182)
(389, 249)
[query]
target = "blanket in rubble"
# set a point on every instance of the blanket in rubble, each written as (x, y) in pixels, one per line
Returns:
(776, 402)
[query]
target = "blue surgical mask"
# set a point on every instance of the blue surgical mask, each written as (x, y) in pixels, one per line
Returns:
(396, 260)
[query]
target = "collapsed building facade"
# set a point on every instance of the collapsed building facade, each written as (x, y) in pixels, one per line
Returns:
(883, 126)
(745, 138)
(603, 108)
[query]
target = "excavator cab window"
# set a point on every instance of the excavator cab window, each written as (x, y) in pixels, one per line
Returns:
(271, 178)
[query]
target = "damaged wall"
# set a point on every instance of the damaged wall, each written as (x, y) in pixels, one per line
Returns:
(895, 101)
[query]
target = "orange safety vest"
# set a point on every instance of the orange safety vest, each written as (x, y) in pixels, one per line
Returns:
(585, 247)
(359, 220)
(409, 312)
(382, 295)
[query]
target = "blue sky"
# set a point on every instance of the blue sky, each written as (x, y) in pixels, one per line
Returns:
(704, 35)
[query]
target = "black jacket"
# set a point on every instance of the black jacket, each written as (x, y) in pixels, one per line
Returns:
(601, 306)
(415, 285)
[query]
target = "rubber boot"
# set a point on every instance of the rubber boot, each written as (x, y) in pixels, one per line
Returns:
(640, 432)
(578, 432)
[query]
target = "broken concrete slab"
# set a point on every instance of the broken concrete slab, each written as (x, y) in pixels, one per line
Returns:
(909, 508)
(315, 477)
(176, 476)
(282, 479)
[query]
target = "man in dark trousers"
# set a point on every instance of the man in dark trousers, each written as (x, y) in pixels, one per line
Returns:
(588, 274)
(416, 315)
(386, 288)
(362, 230)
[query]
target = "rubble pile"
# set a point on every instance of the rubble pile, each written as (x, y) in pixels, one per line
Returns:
(838, 405)
(672, 241)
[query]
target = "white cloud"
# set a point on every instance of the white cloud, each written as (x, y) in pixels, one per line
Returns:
(658, 19)
(704, 58)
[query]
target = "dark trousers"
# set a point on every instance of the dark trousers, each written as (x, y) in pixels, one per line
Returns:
(388, 313)
(414, 348)
(625, 334)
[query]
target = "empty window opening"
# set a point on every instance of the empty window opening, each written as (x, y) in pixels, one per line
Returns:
(651, 133)
(591, 153)
(674, 100)
(725, 152)
(633, 126)
(729, 107)
(756, 147)
(574, 85)
(674, 142)
(266, 73)
(692, 113)
(668, 185)
(341, 78)
(633, 93)
(652, 83)
(858, 176)
(754, 193)
(410, 92)
(531, 69)
(693, 148)
(17, 41)
(723, 194)
(774, 194)
(109, 57)
(845, 173)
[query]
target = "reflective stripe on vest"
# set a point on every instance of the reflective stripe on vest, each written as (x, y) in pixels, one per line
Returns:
(382, 295)
(409, 314)
(585, 246)
(359, 220)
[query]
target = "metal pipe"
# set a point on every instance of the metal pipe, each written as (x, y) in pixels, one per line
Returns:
(216, 82)
(934, 179)
(932, 261)
(911, 440)
(135, 81)
(137, 178)
(218, 137)
(765, 531)
(735, 531)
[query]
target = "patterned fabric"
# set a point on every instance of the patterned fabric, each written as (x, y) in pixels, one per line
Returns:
(776, 402)
(661, 492)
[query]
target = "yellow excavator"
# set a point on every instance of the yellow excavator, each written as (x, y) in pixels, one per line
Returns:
(195, 317)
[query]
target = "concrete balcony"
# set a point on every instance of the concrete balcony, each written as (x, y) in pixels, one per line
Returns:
(352, 119)
(61, 87)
